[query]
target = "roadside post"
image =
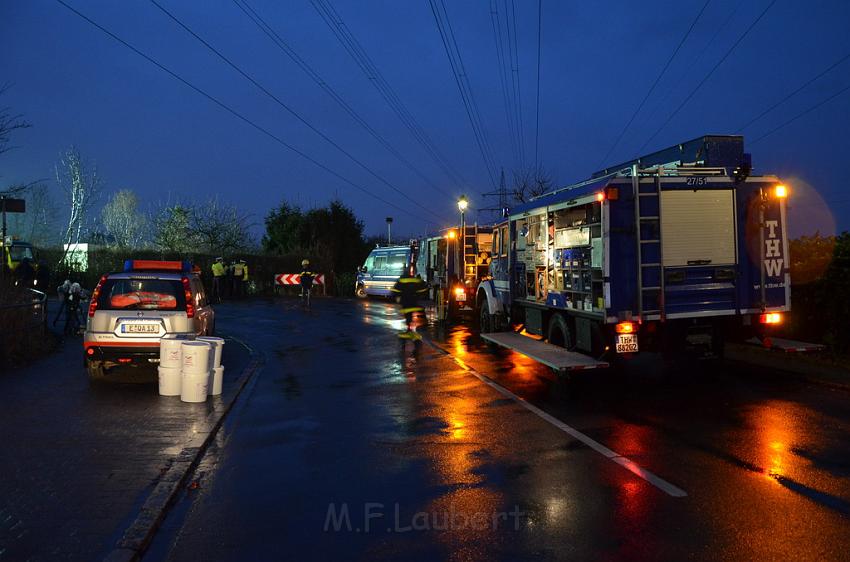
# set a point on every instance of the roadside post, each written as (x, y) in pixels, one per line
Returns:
(9, 205)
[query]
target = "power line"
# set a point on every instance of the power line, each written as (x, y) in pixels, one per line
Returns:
(507, 95)
(792, 94)
(537, 110)
(356, 51)
(802, 113)
(464, 87)
(512, 44)
(291, 111)
(654, 84)
(233, 111)
(707, 76)
(693, 64)
(264, 26)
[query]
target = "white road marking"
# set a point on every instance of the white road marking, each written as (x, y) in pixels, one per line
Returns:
(626, 463)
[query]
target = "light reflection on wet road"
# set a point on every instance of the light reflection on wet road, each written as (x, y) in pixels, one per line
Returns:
(764, 460)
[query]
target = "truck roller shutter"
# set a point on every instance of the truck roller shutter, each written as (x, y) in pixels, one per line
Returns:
(698, 227)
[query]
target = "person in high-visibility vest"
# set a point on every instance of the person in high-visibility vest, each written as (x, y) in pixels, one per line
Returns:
(238, 274)
(244, 276)
(306, 278)
(410, 289)
(218, 278)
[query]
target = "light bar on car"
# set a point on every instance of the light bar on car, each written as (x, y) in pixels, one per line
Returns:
(156, 265)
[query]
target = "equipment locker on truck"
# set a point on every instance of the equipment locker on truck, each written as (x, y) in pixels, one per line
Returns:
(676, 250)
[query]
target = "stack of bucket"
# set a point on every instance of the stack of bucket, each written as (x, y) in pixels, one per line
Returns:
(190, 368)
(216, 369)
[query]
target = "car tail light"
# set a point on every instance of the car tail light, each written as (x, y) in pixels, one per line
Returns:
(770, 318)
(626, 328)
(125, 360)
(187, 291)
(96, 295)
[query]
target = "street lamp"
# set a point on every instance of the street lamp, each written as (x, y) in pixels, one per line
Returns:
(462, 204)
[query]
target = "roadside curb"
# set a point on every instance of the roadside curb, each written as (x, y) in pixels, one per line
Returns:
(791, 365)
(138, 536)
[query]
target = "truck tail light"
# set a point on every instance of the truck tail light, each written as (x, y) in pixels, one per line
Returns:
(626, 328)
(187, 292)
(770, 318)
(96, 295)
(459, 290)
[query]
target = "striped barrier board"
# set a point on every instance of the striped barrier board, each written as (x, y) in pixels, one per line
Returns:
(295, 279)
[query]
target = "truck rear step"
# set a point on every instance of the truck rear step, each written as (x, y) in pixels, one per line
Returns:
(550, 355)
(789, 346)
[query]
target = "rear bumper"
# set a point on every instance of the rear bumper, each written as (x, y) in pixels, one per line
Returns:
(121, 352)
(123, 355)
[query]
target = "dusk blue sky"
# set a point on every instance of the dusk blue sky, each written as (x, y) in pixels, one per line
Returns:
(150, 133)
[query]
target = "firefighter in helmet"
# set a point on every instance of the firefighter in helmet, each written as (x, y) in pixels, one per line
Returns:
(409, 290)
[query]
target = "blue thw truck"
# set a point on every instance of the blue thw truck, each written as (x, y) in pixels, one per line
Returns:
(676, 250)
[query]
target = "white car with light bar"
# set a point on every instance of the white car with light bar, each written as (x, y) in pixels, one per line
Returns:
(130, 311)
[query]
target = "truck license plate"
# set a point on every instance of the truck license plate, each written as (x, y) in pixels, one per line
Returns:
(627, 343)
(140, 328)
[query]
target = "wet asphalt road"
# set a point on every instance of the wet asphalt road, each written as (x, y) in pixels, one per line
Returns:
(78, 459)
(346, 446)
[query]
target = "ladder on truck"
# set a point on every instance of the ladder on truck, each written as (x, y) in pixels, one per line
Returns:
(470, 252)
(650, 257)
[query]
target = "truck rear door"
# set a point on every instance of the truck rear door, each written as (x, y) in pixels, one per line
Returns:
(699, 249)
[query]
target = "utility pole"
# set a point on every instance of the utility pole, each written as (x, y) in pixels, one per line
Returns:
(503, 197)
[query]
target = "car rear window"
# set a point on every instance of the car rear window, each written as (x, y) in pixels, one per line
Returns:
(142, 294)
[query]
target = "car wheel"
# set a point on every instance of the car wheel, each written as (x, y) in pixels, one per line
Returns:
(360, 292)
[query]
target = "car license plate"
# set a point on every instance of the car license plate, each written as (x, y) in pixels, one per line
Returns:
(460, 297)
(139, 328)
(627, 343)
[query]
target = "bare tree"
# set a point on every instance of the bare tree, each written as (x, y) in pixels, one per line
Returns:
(530, 182)
(219, 227)
(123, 223)
(170, 224)
(9, 122)
(82, 185)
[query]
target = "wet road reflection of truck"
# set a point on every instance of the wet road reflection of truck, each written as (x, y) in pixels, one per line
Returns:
(675, 250)
(381, 270)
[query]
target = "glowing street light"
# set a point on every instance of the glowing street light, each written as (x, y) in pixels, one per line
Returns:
(462, 203)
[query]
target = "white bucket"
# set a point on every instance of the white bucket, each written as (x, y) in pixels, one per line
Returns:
(170, 354)
(169, 381)
(196, 357)
(218, 344)
(194, 387)
(216, 380)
